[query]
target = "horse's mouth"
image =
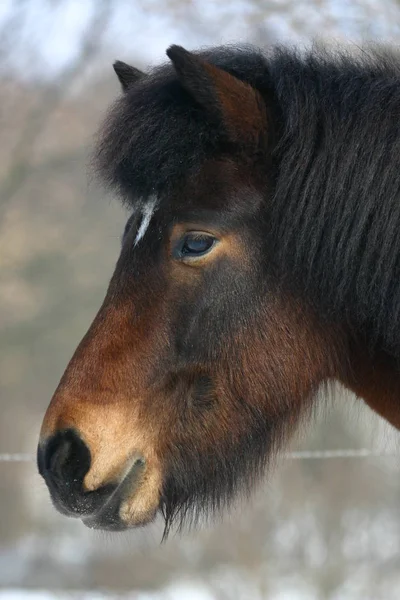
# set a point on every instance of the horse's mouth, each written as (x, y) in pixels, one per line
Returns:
(114, 514)
(131, 501)
(107, 518)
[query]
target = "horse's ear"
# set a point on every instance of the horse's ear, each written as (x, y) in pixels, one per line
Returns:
(237, 104)
(126, 74)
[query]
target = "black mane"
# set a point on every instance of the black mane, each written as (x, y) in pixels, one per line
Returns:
(336, 209)
(333, 221)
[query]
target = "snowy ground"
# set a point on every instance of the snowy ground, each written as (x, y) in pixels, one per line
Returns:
(175, 592)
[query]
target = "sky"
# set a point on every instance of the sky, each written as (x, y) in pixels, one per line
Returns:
(46, 34)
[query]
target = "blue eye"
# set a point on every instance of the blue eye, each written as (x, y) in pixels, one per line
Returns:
(196, 244)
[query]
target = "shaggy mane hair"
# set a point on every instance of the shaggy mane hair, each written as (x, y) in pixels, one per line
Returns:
(333, 221)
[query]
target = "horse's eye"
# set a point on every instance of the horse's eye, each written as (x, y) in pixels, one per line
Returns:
(195, 244)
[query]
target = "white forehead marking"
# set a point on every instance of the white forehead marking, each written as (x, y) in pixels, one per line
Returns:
(147, 212)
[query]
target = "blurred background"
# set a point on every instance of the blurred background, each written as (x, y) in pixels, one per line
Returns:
(326, 528)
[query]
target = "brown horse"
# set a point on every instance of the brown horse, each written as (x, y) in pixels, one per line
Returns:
(261, 260)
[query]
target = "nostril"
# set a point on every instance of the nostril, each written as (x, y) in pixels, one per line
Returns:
(64, 457)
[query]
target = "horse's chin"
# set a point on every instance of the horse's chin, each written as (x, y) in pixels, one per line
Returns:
(134, 503)
(109, 522)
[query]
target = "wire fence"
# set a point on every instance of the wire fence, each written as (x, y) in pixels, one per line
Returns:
(297, 455)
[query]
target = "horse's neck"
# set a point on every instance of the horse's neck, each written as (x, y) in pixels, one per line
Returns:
(377, 381)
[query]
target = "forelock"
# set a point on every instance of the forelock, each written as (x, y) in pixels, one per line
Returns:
(155, 135)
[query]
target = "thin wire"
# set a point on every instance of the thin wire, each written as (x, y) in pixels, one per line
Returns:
(17, 457)
(349, 453)
(298, 455)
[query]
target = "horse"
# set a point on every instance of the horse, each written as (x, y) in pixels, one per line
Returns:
(260, 263)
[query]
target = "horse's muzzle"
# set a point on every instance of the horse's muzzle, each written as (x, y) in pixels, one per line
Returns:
(63, 461)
